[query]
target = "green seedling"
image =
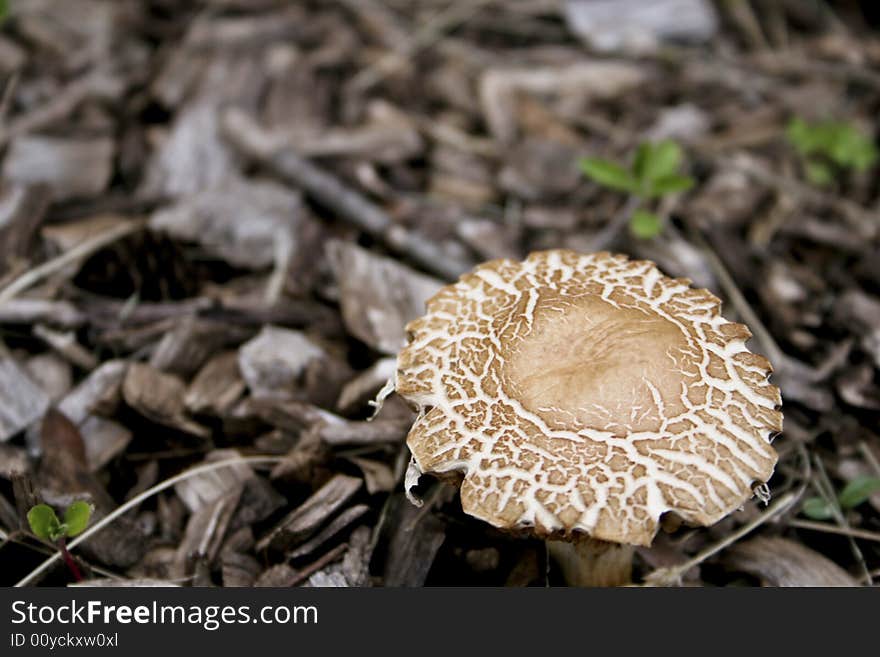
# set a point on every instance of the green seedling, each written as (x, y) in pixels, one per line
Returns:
(853, 494)
(654, 173)
(828, 148)
(46, 525)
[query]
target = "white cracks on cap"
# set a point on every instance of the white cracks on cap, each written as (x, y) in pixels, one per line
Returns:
(587, 393)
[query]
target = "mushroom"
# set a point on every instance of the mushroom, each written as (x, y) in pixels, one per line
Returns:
(586, 399)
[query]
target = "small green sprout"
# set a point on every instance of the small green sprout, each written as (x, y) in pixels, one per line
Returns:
(853, 494)
(46, 525)
(830, 147)
(653, 173)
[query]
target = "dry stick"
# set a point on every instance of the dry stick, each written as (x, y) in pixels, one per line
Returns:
(743, 307)
(603, 239)
(332, 193)
(826, 490)
(865, 221)
(869, 456)
(61, 105)
(135, 501)
(673, 574)
(833, 529)
(81, 250)
(325, 560)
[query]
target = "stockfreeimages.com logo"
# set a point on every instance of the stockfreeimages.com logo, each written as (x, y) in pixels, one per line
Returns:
(209, 617)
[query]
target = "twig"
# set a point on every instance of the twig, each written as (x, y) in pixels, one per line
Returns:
(81, 250)
(62, 104)
(865, 221)
(325, 560)
(135, 501)
(743, 307)
(833, 529)
(605, 237)
(332, 193)
(673, 574)
(869, 456)
(823, 486)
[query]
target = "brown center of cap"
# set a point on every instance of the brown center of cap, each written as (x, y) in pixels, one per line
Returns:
(603, 367)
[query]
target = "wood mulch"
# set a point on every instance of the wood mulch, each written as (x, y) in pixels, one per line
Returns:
(216, 217)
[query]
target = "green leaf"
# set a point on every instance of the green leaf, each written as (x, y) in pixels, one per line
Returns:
(645, 225)
(841, 143)
(608, 174)
(76, 517)
(656, 161)
(857, 491)
(865, 159)
(819, 173)
(816, 508)
(800, 136)
(43, 521)
(669, 185)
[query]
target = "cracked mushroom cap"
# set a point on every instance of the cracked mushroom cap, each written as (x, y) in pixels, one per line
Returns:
(587, 394)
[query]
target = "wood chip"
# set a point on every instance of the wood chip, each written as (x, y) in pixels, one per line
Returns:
(280, 575)
(274, 362)
(378, 295)
(206, 529)
(13, 460)
(99, 392)
(782, 562)
(632, 25)
(340, 522)
(216, 387)
(415, 539)
(570, 88)
(104, 440)
(206, 488)
(192, 157)
(250, 224)
(22, 402)
(159, 397)
(354, 569)
(378, 476)
(22, 208)
(239, 569)
(191, 342)
(303, 521)
(51, 373)
(364, 386)
(66, 344)
(69, 167)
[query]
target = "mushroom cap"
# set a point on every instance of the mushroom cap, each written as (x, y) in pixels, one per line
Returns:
(587, 394)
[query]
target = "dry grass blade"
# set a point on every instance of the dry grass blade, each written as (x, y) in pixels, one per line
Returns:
(673, 575)
(82, 250)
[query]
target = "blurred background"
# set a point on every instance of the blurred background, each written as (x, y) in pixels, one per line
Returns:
(216, 217)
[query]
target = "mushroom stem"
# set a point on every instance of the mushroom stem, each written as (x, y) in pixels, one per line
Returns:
(591, 562)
